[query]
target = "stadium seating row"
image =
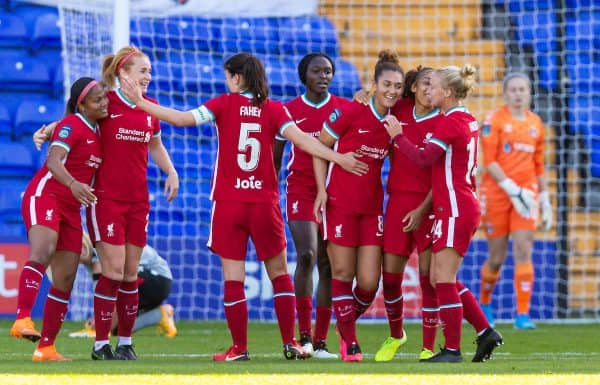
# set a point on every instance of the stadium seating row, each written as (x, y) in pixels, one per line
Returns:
(41, 33)
(273, 35)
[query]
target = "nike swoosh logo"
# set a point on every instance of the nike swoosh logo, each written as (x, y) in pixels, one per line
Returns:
(346, 313)
(360, 131)
(112, 116)
(300, 120)
(233, 358)
(89, 141)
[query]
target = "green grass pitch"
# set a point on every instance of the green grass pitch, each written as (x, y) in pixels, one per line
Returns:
(551, 354)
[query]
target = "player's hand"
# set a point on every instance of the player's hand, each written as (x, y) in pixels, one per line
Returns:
(393, 126)
(349, 162)
(522, 199)
(131, 89)
(171, 186)
(413, 220)
(319, 206)
(546, 210)
(84, 193)
(362, 96)
(43, 134)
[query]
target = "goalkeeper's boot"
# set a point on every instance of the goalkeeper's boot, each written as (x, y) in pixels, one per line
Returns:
(322, 352)
(48, 353)
(486, 343)
(390, 346)
(293, 351)
(125, 353)
(425, 354)
(232, 354)
(307, 346)
(25, 328)
(102, 354)
(488, 312)
(445, 355)
(352, 353)
(523, 322)
(167, 323)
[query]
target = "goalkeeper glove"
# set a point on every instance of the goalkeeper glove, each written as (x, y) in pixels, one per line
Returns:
(522, 199)
(547, 216)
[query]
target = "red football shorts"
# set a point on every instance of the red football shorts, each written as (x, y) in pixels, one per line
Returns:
(352, 230)
(397, 241)
(233, 223)
(455, 232)
(118, 222)
(48, 211)
(300, 209)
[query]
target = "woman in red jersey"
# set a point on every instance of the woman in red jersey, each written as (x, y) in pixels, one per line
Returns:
(310, 110)
(353, 205)
(51, 211)
(117, 223)
(245, 193)
(452, 154)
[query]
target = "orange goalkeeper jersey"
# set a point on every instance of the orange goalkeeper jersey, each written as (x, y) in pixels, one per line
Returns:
(516, 145)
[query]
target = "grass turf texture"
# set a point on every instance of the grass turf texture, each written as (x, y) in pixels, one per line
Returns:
(551, 354)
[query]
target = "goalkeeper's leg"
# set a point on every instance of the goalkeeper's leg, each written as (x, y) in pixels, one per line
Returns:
(524, 276)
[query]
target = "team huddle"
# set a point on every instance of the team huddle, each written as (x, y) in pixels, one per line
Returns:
(335, 206)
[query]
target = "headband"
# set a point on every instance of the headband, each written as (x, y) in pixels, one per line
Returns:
(86, 90)
(124, 60)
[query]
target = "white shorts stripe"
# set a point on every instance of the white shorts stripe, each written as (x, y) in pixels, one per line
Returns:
(450, 238)
(32, 213)
(95, 224)
(210, 230)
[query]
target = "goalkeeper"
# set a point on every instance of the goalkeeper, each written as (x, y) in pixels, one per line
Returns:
(512, 192)
(154, 287)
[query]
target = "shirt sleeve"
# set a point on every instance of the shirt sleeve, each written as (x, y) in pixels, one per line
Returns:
(209, 111)
(64, 136)
(339, 121)
(422, 157)
(490, 137)
(281, 118)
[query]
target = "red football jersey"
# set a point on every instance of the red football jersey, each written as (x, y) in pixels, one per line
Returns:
(309, 117)
(404, 175)
(358, 128)
(126, 133)
(84, 156)
(244, 171)
(453, 175)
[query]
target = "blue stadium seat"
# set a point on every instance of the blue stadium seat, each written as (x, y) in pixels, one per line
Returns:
(346, 80)
(582, 30)
(21, 73)
(305, 34)
(30, 12)
(256, 35)
(6, 129)
(176, 32)
(536, 30)
(16, 160)
(58, 87)
(584, 111)
(31, 114)
(46, 33)
(12, 31)
(200, 72)
(282, 76)
(11, 191)
(517, 6)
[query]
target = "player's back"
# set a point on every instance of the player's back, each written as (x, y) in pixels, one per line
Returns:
(245, 170)
(453, 176)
